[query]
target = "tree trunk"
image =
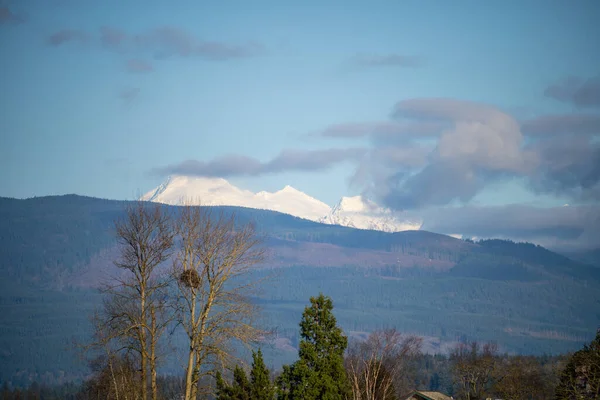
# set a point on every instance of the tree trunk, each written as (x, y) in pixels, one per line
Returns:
(188, 375)
(143, 354)
(153, 355)
(191, 359)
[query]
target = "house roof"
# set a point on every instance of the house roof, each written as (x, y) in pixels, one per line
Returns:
(430, 395)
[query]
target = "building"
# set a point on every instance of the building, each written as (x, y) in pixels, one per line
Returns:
(422, 395)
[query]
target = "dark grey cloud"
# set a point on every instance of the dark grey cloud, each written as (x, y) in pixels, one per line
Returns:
(138, 66)
(239, 165)
(574, 226)
(564, 124)
(439, 183)
(161, 42)
(67, 35)
(7, 16)
(388, 60)
(577, 91)
(568, 166)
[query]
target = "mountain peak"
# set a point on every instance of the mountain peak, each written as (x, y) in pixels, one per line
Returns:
(354, 211)
(219, 192)
(290, 189)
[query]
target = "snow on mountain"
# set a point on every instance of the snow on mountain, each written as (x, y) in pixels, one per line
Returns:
(219, 192)
(350, 211)
(364, 214)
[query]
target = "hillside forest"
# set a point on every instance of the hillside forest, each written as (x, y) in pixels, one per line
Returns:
(191, 306)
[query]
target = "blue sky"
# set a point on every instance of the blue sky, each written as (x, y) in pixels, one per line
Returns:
(108, 98)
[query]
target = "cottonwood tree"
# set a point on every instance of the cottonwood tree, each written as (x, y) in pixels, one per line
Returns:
(376, 365)
(132, 319)
(211, 266)
(319, 373)
(473, 368)
(114, 377)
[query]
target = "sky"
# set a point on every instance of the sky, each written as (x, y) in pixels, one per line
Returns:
(483, 118)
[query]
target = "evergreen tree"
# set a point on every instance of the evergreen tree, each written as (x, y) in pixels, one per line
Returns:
(238, 390)
(261, 386)
(581, 377)
(258, 388)
(319, 373)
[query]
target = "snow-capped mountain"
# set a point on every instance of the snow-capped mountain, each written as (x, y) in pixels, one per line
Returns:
(350, 211)
(358, 213)
(219, 192)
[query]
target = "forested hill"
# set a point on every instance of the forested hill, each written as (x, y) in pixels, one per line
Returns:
(56, 234)
(525, 297)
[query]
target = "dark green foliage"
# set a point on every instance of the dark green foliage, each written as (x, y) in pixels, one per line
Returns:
(319, 373)
(239, 388)
(258, 388)
(580, 378)
(537, 255)
(261, 386)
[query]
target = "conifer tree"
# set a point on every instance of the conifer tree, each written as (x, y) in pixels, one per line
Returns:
(581, 377)
(319, 373)
(261, 386)
(258, 388)
(238, 390)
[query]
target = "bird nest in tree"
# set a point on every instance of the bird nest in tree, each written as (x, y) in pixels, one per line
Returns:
(190, 278)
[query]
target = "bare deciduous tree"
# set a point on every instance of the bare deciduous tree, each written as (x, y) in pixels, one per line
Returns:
(519, 377)
(132, 319)
(473, 367)
(375, 366)
(214, 308)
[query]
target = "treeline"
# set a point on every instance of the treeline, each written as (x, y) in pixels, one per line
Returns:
(385, 365)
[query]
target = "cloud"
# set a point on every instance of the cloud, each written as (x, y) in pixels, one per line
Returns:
(167, 41)
(239, 165)
(9, 17)
(138, 66)
(384, 163)
(386, 130)
(442, 152)
(388, 60)
(551, 226)
(67, 35)
(476, 144)
(439, 183)
(129, 94)
(161, 42)
(584, 124)
(112, 37)
(568, 166)
(577, 91)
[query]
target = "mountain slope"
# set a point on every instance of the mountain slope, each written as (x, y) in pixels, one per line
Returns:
(528, 299)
